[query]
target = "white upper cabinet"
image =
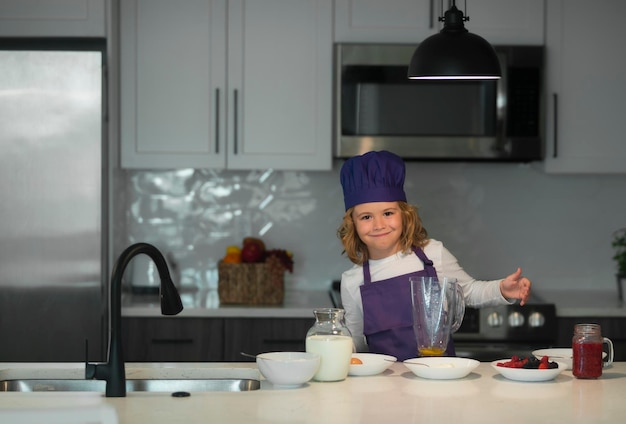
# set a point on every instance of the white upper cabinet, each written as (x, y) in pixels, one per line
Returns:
(506, 21)
(173, 83)
(410, 21)
(280, 84)
(239, 84)
(52, 18)
(586, 87)
(390, 21)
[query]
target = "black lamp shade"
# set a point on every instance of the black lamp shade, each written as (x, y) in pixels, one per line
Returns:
(454, 53)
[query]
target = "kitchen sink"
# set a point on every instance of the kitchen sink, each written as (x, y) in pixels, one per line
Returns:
(140, 377)
(132, 385)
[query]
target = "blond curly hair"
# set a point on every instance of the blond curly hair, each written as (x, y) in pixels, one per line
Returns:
(413, 234)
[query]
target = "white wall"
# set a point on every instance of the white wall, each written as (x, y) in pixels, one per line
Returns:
(495, 217)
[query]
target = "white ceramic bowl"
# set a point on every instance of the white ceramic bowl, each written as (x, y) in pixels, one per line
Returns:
(557, 355)
(441, 367)
(289, 369)
(522, 374)
(560, 354)
(373, 364)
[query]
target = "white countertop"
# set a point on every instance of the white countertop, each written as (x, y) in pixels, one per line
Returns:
(300, 304)
(396, 396)
(205, 303)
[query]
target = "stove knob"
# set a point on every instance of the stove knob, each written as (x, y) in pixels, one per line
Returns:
(494, 319)
(516, 319)
(536, 319)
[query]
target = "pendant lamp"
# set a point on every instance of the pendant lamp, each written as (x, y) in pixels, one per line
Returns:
(454, 53)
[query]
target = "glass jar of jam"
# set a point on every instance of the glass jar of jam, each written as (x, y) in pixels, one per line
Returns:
(587, 344)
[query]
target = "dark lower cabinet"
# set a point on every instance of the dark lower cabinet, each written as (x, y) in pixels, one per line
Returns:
(612, 327)
(172, 339)
(258, 335)
(182, 339)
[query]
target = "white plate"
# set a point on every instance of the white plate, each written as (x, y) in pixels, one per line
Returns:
(557, 354)
(373, 364)
(522, 374)
(441, 367)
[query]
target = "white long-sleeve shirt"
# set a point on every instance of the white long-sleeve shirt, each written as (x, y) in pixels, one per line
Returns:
(477, 293)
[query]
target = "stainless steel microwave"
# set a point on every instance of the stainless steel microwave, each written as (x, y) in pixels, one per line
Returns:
(377, 107)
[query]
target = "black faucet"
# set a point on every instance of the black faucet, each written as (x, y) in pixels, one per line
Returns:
(113, 371)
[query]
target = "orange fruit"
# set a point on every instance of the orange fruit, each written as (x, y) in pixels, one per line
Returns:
(355, 361)
(233, 255)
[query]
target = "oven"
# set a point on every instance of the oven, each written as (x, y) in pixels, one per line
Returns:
(498, 332)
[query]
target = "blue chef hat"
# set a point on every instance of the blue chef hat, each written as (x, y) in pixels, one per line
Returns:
(373, 177)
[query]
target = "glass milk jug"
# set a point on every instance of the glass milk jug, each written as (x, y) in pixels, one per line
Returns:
(331, 340)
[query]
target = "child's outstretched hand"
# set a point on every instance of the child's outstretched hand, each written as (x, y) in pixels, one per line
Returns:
(516, 287)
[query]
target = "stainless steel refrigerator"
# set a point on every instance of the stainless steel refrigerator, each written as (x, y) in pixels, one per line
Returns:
(52, 229)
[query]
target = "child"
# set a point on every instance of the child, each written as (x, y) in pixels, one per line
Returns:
(383, 236)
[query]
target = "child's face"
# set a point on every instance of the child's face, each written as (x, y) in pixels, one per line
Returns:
(379, 226)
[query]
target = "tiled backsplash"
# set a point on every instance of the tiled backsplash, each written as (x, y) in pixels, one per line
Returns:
(192, 215)
(492, 217)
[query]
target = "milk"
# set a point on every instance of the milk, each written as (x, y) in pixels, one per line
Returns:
(335, 353)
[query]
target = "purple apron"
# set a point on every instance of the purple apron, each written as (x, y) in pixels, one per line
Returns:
(388, 314)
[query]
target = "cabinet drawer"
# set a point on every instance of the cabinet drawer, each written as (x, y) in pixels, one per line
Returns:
(172, 339)
(258, 335)
(53, 18)
(410, 21)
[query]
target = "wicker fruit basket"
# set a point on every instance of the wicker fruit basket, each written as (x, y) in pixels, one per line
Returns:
(252, 283)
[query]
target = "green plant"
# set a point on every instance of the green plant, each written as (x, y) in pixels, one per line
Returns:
(619, 243)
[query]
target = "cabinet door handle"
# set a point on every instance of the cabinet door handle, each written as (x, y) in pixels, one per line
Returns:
(555, 106)
(217, 120)
(235, 120)
(172, 341)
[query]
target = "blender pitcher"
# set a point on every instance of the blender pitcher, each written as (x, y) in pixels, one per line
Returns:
(438, 309)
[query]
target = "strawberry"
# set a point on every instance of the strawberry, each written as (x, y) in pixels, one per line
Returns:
(530, 363)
